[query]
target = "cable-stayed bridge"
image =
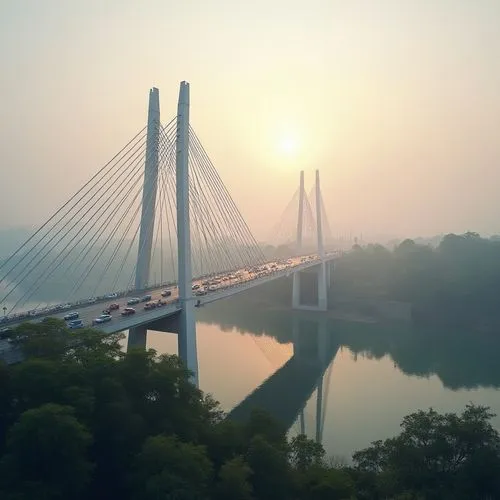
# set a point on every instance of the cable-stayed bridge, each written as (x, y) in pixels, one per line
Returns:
(156, 218)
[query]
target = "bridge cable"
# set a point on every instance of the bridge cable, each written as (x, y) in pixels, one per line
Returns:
(94, 178)
(224, 201)
(217, 232)
(27, 269)
(134, 270)
(110, 216)
(229, 203)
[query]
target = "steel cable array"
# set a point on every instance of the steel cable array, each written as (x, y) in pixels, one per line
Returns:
(285, 232)
(89, 247)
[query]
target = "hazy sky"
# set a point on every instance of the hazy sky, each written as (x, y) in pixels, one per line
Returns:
(397, 102)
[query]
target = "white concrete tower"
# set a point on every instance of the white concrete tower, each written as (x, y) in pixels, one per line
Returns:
(187, 321)
(319, 226)
(298, 244)
(300, 219)
(322, 278)
(149, 192)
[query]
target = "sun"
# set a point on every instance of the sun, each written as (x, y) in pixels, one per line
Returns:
(289, 145)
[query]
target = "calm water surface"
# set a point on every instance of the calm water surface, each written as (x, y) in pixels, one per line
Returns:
(377, 375)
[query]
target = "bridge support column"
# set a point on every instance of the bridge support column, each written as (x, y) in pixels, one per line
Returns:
(296, 290)
(187, 320)
(329, 274)
(322, 287)
(137, 337)
(322, 304)
(149, 192)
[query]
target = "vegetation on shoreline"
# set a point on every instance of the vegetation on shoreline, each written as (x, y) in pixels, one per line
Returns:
(455, 284)
(81, 419)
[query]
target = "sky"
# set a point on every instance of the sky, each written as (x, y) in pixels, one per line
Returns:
(396, 102)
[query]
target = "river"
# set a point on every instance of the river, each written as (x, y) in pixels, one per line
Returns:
(374, 373)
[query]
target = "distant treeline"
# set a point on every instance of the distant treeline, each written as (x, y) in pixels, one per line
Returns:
(456, 283)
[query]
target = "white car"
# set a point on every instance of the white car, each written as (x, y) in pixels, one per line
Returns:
(103, 318)
(112, 296)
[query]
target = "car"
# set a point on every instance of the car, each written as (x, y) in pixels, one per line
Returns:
(111, 296)
(195, 287)
(133, 300)
(201, 291)
(146, 298)
(149, 306)
(70, 316)
(111, 307)
(92, 300)
(161, 303)
(103, 318)
(76, 323)
(166, 293)
(128, 311)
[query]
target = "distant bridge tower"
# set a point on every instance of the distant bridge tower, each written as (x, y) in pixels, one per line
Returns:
(300, 218)
(322, 269)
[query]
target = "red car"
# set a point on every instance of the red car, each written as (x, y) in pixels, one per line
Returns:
(113, 307)
(149, 306)
(128, 311)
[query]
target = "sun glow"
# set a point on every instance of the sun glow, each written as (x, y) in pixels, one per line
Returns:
(289, 146)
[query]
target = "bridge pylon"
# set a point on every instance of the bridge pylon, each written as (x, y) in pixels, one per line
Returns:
(300, 219)
(149, 191)
(323, 268)
(137, 335)
(186, 325)
(187, 319)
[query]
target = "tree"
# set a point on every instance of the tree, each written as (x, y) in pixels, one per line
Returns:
(438, 456)
(234, 480)
(305, 452)
(46, 455)
(169, 468)
(323, 483)
(271, 477)
(262, 424)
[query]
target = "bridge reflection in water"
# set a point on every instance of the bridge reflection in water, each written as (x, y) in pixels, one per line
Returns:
(285, 394)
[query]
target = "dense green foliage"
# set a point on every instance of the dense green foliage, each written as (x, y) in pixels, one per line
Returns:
(456, 283)
(81, 419)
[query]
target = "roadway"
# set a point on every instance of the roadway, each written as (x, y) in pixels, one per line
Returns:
(229, 284)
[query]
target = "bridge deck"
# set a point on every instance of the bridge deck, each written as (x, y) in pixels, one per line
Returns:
(119, 323)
